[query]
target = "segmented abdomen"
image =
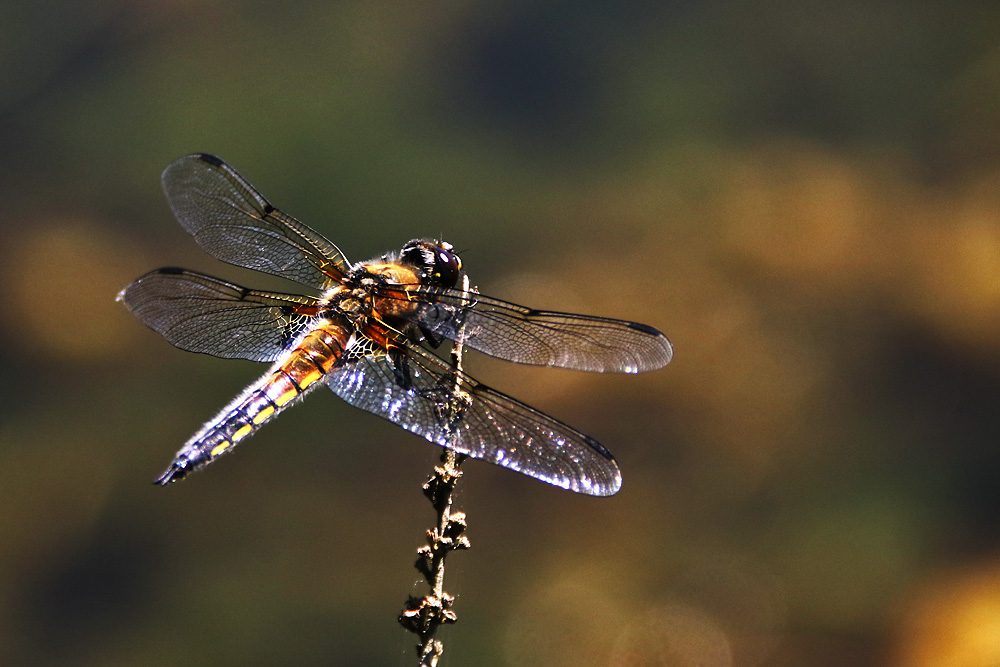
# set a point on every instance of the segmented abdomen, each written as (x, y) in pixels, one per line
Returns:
(289, 379)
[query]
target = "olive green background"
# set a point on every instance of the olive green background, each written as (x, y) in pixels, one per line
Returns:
(803, 195)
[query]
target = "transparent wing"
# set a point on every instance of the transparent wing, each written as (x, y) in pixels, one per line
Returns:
(233, 222)
(425, 396)
(540, 337)
(199, 313)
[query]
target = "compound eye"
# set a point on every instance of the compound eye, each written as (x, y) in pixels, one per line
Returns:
(447, 265)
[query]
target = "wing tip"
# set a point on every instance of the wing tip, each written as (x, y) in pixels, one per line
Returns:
(603, 480)
(659, 353)
(662, 352)
(590, 487)
(668, 350)
(179, 162)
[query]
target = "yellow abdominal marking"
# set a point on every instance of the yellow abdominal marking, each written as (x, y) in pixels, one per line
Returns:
(219, 448)
(242, 432)
(310, 377)
(281, 399)
(265, 412)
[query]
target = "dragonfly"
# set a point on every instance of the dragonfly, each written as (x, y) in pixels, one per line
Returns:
(371, 334)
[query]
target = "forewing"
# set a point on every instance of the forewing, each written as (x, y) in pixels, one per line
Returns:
(540, 337)
(199, 313)
(425, 396)
(233, 222)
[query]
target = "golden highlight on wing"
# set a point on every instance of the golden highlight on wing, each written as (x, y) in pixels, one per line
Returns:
(235, 223)
(436, 401)
(199, 313)
(540, 337)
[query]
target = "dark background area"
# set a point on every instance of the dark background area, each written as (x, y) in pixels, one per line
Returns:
(803, 195)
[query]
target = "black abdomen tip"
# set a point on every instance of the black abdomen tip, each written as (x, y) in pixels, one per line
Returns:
(171, 474)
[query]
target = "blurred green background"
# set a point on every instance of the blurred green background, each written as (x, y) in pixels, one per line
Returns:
(803, 195)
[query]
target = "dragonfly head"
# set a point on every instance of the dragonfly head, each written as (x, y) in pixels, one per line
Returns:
(435, 261)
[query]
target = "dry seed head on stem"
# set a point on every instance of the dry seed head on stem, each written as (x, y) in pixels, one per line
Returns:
(423, 616)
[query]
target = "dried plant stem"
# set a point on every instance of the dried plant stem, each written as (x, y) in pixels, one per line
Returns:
(423, 616)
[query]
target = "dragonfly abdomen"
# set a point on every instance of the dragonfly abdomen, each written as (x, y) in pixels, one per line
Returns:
(288, 380)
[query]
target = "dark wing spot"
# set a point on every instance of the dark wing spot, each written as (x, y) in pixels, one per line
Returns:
(599, 448)
(645, 328)
(211, 159)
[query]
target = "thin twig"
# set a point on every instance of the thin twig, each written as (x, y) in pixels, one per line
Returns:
(423, 616)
